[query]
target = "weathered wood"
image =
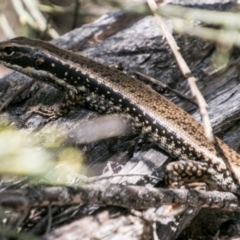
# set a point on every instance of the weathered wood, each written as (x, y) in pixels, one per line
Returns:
(137, 44)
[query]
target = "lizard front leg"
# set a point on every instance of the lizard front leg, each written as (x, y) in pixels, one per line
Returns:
(71, 98)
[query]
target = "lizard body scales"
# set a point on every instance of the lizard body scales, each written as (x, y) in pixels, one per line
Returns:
(108, 90)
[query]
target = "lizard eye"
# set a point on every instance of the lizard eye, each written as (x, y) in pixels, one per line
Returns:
(8, 51)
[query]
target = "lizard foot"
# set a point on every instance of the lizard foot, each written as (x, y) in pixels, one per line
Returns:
(50, 113)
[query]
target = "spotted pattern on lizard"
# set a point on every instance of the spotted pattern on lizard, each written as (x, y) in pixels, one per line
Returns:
(108, 90)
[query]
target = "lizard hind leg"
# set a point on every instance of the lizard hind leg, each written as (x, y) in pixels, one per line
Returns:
(187, 174)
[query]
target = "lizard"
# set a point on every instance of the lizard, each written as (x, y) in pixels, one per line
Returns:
(108, 90)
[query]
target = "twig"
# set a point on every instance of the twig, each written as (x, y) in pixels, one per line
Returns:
(35, 18)
(36, 14)
(131, 197)
(154, 81)
(229, 20)
(223, 36)
(40, 19)
(76, 14)
(6, 27)
(185, 71)
(49, 224)
(95, 179)
(24, 16)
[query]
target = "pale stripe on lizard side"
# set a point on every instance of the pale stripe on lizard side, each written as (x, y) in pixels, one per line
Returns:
(108, 90)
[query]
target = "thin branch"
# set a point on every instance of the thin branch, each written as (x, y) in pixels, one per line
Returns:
(165, 86)
(185, 71)
(131, 197)
(229, 20)
(24, 16)
(223, 36)
(6, 27)
(39, 18)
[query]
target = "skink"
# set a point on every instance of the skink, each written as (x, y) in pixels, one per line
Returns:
(108, 90)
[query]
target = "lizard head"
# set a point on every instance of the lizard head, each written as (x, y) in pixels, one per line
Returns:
(34, 58)
(17, 54)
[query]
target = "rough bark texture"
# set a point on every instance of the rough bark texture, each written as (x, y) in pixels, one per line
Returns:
(135, 42)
